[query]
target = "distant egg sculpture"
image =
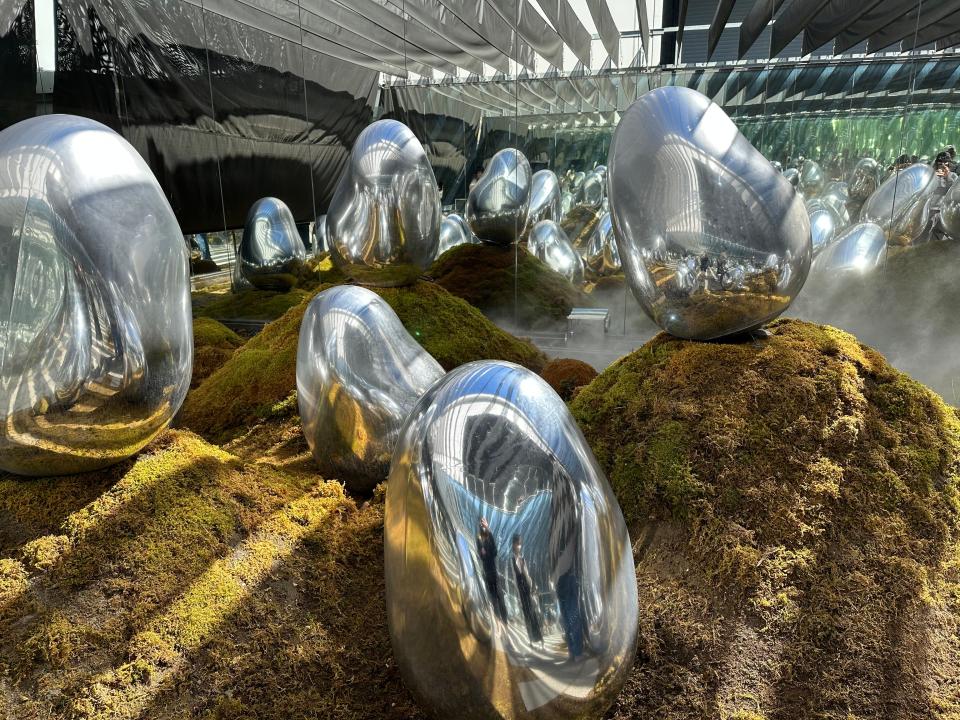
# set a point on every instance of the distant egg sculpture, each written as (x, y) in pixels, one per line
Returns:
(950, 211)
(823, 224)
(545, 198)
(792, 176)
(96, 329)
(689, 192)
(271, 252)
(383, 224)
(510, 583)
(812, 179)
(498, 204)
(593, 190)
(601, 255)
(358, 375)
(320, 244)
(899, 205)
(836, 196)
(550, 244)
(864, 180)
(859, 249)
(454, 231)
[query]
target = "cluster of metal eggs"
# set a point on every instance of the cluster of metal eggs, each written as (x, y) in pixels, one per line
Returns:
(508, 565)
(96, 329)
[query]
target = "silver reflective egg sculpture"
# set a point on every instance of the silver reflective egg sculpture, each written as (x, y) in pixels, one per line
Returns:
(358, 375)
(694, 205)
(566, 202)
(777, 166)
(96, 329)
(549, 243)
(899, 204)
(383, 223)
(950, 211)
(601, 256)
(812, 178)
(580, 223)
(593, 190)
(510, 583)
(498, 204)
(545, 198)
(864, 179)
(823, 225)
(271, 253)
(792, 175)
(320, 244)
(835, 196)
(860, 249)
(576, 182)
(454, 231)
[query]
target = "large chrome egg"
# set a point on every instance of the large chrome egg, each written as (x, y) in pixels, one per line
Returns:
(96, 329)
(271, 253)
(358, 375)
(383, 223)
(510, 582)
(692, 201)
(498, 204)
(545, 198)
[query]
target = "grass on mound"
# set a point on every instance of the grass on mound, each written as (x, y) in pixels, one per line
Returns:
(258, 380)
(486, 275)
(188, 583)
(795, 508)
(213, 344)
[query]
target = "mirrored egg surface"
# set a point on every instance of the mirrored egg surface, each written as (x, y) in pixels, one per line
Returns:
(545, 198)
(812, 178)
(358, 375)
(96, 329)
(551, 246)
(497, 205)
(823, 224)
(713, 240)
(861, 248)
(950, 211)
(601, 255)
(510, 582)
(864, 179)
(383, 223)
(454, 231)
(899, 204)
(271, 251)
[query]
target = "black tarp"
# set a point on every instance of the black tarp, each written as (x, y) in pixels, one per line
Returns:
(18, 62)
(224, 112)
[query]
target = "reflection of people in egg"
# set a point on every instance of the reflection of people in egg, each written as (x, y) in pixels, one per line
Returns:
(525, 591)
(568, 599)
(487, 549)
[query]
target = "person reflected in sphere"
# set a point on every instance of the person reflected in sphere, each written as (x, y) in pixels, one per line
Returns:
(487, 548)
(525, 591)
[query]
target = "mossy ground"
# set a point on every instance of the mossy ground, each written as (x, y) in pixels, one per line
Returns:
(190, 583)
(566, 375)
(508, 283)
(262, 375)
(794, 503)
(213, 344)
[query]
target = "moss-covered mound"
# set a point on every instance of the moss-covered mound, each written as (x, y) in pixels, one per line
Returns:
(565, 375)
(510, 284)
(794, 504)
(189, 584)
(220, 302)
(213, 344)
(258, 380)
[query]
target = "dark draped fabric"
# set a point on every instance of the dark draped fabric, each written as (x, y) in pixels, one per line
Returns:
(225, 113)
(18, 62)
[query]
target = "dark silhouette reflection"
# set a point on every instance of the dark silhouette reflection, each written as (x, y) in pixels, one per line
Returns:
(525, 591)
(487, 550)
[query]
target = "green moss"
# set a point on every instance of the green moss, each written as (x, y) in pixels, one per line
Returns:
(194, 585)
(262, 373)
(798, 497)
(508, 282)
(213, 344)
